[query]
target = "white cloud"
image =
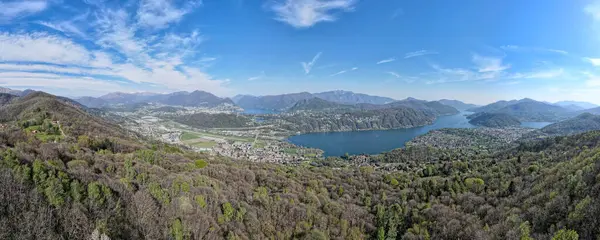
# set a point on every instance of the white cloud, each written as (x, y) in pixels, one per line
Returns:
(419, 53)
(19, 8)
(308, 66)
(489, 64)
(593, 10)
(41, 47)
(121, 53)
(386, 60)
(262, 75)
(306, 13)
(344, 71)
(160, 13)
(593, 61)
(516, 48)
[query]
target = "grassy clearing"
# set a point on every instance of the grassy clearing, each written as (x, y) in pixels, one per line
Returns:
(189, 136)
(290, 150)
(260, 144)
(204, 144)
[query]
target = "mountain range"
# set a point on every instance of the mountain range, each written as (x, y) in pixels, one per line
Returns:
(582, 105)
(534, 111)
(431, 107)
(286, 101)
(190, 99)
(458, 104)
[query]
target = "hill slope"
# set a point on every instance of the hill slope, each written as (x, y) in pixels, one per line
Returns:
(347, 97)
(78, 189)
(318, 104)
(494, 120)
(582, 123)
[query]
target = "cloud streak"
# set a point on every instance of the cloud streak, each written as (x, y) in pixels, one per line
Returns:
(262, 75)
(306, 13)
(419, 53)
(307, 66)
(344, 71)
(386, 60)
(489, 64)
(516, 48)
(16, 9)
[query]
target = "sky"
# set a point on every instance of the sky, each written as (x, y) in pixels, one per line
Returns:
(471, 50)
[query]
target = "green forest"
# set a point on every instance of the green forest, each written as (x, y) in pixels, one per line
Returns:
(92, 183)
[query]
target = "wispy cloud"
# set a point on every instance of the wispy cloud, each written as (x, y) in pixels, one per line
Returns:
(396, 75)
(386, 60)
(20, 8)
(592, 80)
(70, 27)
(344, 71)
(541, 74)
(516, 48)
(309, 65)
(489, 64)
(407, 79)
(397, 13)
(306, 13)
(419, 53)
(262, 75)
(160, 13)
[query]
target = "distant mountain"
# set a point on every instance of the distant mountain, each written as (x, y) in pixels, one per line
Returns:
(527, 110)
(534, 111)
(236, 98)
(494, 120)
(193, 99)
(286, 101)
(434, 107)
(273, 102)
(457, 104)
(572, 107)
(10, 91)
(493, 106)
(347, 97)
(582, 123)
(318, 104)
(583, 105)
(92, 102)
(593, 111)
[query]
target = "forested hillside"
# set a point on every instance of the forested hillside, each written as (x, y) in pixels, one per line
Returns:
(494, 120)
(96, 185)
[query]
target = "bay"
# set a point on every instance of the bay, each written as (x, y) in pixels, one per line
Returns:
(377, 141)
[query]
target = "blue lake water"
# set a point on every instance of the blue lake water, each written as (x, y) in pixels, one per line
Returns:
(535, 124)
(258, 111)
(377, 141)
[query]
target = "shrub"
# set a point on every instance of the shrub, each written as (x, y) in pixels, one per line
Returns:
(200, 163)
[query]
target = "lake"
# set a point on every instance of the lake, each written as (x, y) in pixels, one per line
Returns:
(253, 111)
(377, 141)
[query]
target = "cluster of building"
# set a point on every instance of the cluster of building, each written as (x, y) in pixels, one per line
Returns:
(272, 152)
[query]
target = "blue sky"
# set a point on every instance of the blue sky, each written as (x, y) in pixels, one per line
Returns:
(472, 50)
